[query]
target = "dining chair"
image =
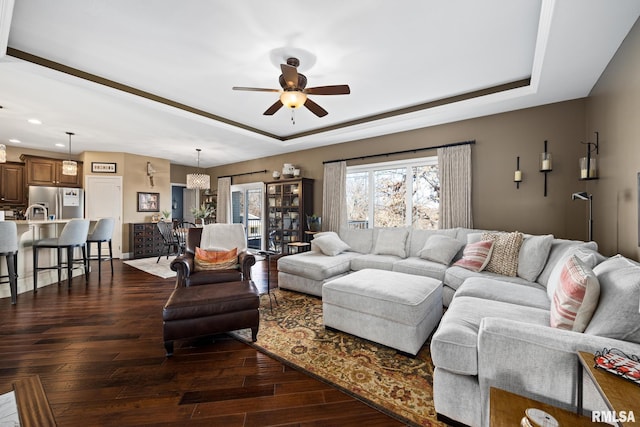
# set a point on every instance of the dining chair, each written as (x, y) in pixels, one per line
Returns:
(181, 230)
(73, 235)
(170, 243)
(102, 233)
(9, 250)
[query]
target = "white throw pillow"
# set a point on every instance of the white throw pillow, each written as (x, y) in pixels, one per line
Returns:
(441, 249)
(391, 241)
(330, 244)
(533, 256)
(576, 296)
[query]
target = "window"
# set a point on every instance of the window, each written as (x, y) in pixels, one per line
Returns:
(394, 194)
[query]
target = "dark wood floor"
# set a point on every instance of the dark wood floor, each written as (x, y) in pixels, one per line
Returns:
(98, 351)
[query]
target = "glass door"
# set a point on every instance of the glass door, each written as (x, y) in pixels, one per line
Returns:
(247, 209)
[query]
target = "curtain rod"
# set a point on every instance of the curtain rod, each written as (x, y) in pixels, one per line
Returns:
(244, 173)
(455, 144)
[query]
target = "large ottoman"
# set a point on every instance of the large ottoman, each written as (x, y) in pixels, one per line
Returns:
(197, 311)
(398, 310)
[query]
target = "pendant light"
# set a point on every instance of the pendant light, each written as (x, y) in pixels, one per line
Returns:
(69, 167)
(198, 181)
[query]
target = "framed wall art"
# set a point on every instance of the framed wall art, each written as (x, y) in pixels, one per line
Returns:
(103, 167)
(148, 202)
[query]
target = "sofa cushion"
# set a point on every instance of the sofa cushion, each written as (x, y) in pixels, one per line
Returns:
(558, 248)
(617, 313)
(504, 257)
(575, 297)
(316, 265)
(440, 249)
(391, 241)
(454, 345)
(380, 262)
(454, 277)
(533, 256)
(330, 244)
(475, 256)
(418, 238)
(360, 240)
(420, 267)
(531, 294)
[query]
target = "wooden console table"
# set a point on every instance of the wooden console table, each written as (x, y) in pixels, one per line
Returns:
(619, 394)
(507, 410)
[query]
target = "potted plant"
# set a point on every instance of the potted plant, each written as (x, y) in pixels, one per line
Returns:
(314, 222)
(165, 215)
(202, 213)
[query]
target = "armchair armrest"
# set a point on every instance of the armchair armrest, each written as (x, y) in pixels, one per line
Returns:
(246, 260)
(183, 266)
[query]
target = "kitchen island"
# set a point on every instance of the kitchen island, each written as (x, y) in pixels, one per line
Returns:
(28, 231)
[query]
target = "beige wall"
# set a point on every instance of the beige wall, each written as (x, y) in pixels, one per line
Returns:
(613, 110)
(497, 204)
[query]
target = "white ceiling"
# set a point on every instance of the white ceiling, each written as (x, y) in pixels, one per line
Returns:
(393, 55)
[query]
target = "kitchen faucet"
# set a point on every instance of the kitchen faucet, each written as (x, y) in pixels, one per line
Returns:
(29, 211)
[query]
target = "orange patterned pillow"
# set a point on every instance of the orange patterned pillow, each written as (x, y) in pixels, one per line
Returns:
(215, 260)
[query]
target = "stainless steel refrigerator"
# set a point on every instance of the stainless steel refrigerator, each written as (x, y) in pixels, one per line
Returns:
(64, 203)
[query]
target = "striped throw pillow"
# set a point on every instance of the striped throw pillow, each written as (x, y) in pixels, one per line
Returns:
(215, 260)
(476, 256)
(576, 296)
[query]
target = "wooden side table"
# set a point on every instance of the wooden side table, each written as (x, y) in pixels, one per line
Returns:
(619, 394)
(298, 247)
(507, 410)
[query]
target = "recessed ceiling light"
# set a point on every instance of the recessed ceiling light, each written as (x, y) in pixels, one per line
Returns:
(60, 145)
(15, 141)
(34, 121)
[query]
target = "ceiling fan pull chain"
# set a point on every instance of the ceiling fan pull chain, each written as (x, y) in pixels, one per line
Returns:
(293, 116)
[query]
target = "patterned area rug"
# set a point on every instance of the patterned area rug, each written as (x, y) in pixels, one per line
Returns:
(149, 265)
(392, 383)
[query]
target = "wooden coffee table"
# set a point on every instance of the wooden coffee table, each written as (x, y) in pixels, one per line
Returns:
(507, 409)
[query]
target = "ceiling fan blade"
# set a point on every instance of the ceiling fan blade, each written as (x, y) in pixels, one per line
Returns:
(290, 75)
(272, 110)
(255, 89)
(329, 90)
(315, 108)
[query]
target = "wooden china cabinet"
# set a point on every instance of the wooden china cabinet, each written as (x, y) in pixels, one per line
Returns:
(288, 201)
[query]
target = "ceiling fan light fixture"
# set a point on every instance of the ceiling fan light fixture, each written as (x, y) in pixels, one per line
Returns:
(293, 98)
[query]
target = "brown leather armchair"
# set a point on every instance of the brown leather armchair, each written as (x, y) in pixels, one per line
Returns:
(183, 265)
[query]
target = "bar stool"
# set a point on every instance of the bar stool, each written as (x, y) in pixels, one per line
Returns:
(102, 233)
(9, 250)
(73, 235)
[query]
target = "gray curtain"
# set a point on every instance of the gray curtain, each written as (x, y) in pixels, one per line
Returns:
(454, 164)
(224, 201)
(334, 212)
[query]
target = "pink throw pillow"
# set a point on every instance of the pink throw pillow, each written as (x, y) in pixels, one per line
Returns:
(476, 256)
(576, 296)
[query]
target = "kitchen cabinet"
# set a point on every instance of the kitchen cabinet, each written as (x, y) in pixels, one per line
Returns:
(12, 187)
(48, 172)
(146, 240)
(288, 202)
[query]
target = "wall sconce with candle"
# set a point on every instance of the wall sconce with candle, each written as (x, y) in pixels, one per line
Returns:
(588, 169)
(517, 176)
(546, 165)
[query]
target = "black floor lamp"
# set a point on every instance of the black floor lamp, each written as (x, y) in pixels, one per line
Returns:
(588, 197)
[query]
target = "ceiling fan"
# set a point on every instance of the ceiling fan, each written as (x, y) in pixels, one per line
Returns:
(294, 91)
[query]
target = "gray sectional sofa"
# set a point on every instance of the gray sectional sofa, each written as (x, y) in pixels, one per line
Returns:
(496, 331)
